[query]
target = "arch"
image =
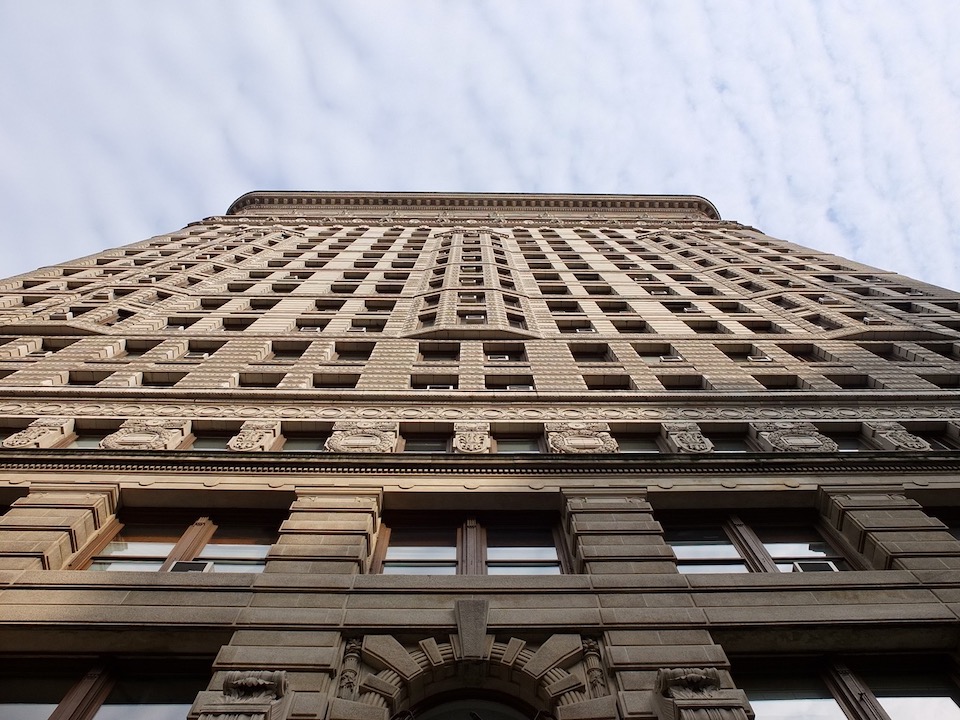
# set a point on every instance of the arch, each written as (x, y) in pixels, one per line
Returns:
(542, 678)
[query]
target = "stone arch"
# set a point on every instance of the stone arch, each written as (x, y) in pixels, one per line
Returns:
(550, 678)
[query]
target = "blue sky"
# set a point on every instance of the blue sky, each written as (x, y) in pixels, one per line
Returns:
(833, 124)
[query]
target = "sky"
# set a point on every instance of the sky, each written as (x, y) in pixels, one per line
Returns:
(832, 124)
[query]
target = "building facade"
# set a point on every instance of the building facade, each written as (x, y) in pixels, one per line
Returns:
(338, 456)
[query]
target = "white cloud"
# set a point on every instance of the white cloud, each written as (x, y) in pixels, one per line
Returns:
(829, 124)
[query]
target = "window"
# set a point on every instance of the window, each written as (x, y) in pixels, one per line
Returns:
(424, 443)
(151, 540)
(330, 381)
(161, 379)
(303, 439)
(434, 382)
(212, 438)
(773, 542)
(517, 443)
(919, 687)
(36, 690)
(513, 383)
(504, 352)
(591, 352)
(353, 352)
(631, 442)
(504, 544)
(439, 352)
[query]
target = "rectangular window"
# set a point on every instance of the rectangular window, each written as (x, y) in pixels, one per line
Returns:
(500, 544)
(153, 540)
(37, 691)
(899, 688)
(774, 541)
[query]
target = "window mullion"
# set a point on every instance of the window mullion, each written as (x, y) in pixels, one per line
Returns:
(191, 542)
(380, 551)
(85, 698)
(855, 698)
(470, 546)
(749, 545)
(563, 551)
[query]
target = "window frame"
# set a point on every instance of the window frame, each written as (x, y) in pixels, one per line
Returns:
(188, 547)
(472, 539)
(91, 681)
(754, 554)
(846, 678)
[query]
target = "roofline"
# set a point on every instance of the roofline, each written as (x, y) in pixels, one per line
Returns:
(554, 202)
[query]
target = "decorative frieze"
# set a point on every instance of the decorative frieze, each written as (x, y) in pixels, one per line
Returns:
(580, 438)
(363, 436)
(148, 434)
(685, 437)
(791, 437)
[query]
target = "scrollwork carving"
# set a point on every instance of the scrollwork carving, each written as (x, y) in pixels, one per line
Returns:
(147, 434)
(687, 682)
(42, 433)
(255, 435)
(471, 438)
(363, 436)
(791, 437)
(694, 693)
(254, 685)
(580, 438)
(894, 436)
(685, 437)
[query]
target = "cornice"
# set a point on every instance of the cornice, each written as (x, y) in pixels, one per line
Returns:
(310, 466)
(294, 202)
(238, 404)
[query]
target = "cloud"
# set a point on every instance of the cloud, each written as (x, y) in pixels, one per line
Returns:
(829, 124)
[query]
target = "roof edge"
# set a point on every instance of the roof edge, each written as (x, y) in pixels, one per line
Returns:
(554, 202)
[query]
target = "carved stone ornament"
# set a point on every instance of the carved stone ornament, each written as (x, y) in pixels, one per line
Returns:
(147, 435)
(471, 438)
(685, 437)
(796, 437)
(695, 693)
(254, 685)
(363, 436)
(596, 679)
(687, 682)
(42, 433)
(580, 438)
(894, 436)
(350, 670)
(255, 435)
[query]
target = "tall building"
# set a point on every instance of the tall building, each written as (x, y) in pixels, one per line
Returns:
(361, 456)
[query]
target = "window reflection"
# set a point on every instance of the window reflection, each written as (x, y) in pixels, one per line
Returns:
(31, 697)
(421, 551)
(704, 549)
(149, 699)
(790, 698)
(908, 697)
(799, 548)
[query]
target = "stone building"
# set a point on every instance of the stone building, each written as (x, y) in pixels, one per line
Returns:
(337, 456)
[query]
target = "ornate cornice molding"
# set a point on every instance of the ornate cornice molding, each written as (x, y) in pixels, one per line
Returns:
(293, 202)
(306, 468)
(232, 405)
